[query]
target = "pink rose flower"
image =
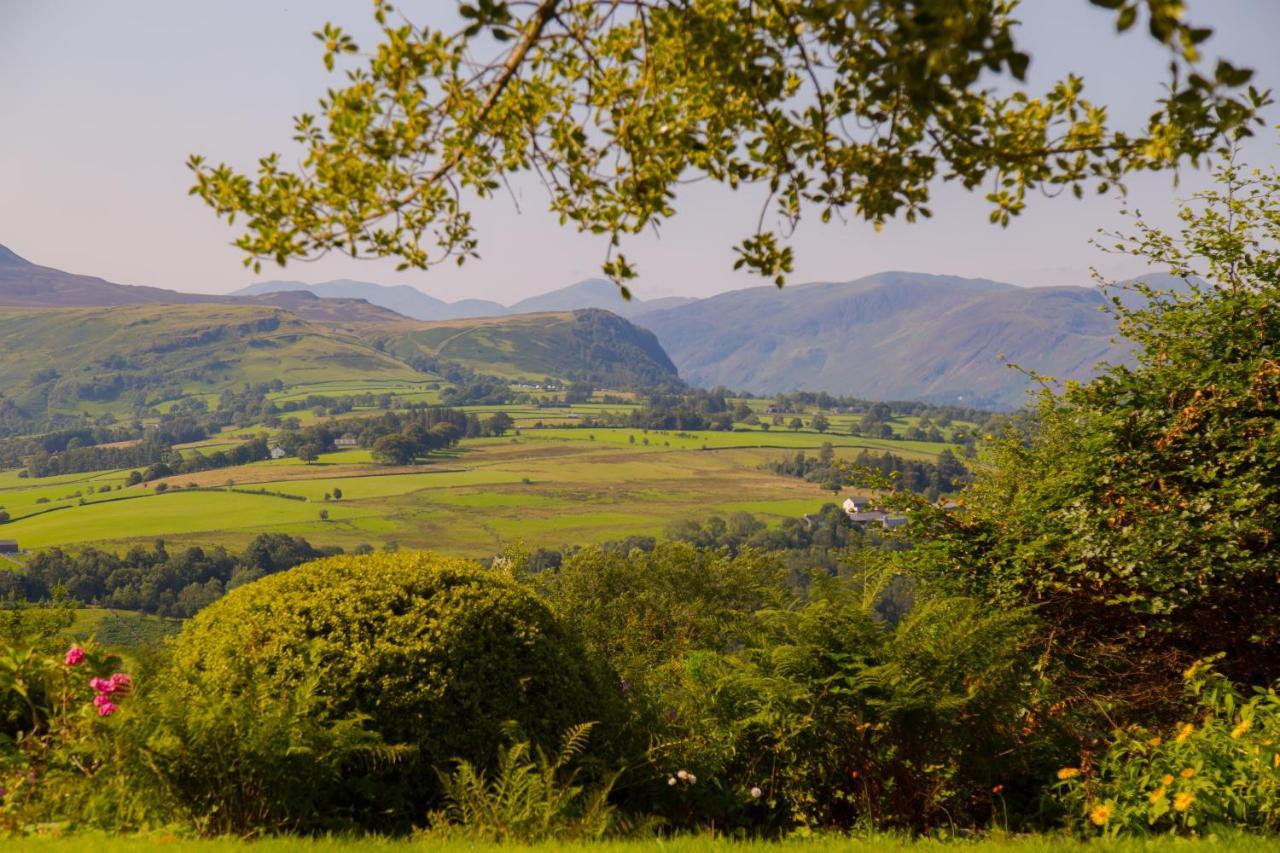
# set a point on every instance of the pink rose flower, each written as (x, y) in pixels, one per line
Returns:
(107, 708)
(120, 681)
(102, 685)
(75, 656)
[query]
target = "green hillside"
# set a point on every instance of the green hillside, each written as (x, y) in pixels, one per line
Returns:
(590, 344)
(68, 361)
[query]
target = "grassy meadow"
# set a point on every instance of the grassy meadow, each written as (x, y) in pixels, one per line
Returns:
(546, 484)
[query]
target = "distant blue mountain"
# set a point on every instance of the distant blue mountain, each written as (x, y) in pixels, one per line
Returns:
(402, 299)
(592, 293)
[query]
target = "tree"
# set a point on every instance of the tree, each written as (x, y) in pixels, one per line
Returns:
(308, 452)
(835, 107)
(499, 423)
(796, 424)
(394, 449)
(337, 494)
(1138, 513)
(4, 516)
(578, 392)
(820, 422)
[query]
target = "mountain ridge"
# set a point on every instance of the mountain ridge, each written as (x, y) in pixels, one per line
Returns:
(891, 335)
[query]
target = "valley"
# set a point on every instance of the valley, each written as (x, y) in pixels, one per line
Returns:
(546, 484)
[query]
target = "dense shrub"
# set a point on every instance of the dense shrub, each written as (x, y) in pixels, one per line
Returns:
(834, 720)
(434, 653)
(1139, 514)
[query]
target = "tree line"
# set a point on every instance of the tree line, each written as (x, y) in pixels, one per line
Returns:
(154, 580)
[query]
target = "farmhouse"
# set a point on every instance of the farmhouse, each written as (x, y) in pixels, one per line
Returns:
(347, 440)
(278, 452)
(866, 518)
(852, 505)
(8, 546)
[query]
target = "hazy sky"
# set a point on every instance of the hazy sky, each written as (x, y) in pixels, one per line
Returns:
(101, 102)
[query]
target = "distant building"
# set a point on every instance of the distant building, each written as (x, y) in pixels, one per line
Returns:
(877, 516)
(278, 452)
(346, 441)
(852, 505)
(8, 546)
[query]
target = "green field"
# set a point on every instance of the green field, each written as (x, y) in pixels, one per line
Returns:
(542, 487)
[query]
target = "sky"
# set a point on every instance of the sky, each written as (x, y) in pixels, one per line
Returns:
(101, 103)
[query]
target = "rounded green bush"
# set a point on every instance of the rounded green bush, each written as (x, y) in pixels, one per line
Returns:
(436, 652)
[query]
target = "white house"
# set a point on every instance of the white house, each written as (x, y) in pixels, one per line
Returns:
(278, 452)
(852, 505)
(346, 441)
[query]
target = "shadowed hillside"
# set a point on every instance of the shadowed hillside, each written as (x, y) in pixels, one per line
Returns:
(890, 336)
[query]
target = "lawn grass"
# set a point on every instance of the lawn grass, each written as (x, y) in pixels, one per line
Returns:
(1044, 843)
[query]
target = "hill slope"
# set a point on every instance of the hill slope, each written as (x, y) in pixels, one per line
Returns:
(890, 336)
(593, 345)
(24, 284)
(308, 306)
(67, 361)
(27, 285)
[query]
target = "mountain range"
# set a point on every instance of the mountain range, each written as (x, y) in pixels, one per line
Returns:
(411, 302)
(893, 335)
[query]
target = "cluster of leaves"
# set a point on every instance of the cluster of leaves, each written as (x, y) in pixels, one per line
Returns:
(824, 106)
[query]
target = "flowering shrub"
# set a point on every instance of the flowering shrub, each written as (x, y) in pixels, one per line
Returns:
(1220, 769)
(58, 737)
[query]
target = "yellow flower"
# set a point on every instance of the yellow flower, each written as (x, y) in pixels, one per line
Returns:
(1068, 773)
(1241, 728)
(1166, 780)
(1155, 741)
(1182, 802)
(1184, 732)
(1192, 670)
(1101, 814)
(1157, 795)
(1277, 759)
(1188, 773)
